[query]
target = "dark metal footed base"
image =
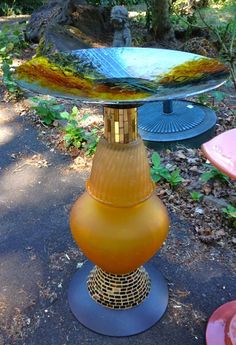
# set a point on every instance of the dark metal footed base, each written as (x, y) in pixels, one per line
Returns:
(189, 124)
(112, 322)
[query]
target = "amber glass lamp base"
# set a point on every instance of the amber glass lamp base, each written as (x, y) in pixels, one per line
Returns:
(119, 223)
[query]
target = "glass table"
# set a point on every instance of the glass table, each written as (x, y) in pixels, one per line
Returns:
(119, 222)
(123, 76)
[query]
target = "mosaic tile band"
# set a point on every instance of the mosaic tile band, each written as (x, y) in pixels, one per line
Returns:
(119, 291)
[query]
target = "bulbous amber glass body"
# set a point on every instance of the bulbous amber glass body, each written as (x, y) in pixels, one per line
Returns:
(119, 240)
(119, 223)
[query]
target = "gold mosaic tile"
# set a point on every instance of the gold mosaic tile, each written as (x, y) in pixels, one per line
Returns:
(120, 125)
(118, 291)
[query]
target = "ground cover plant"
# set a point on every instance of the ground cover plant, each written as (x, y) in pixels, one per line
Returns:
(48, 110)
(230, 212)
(12, 43)
(78, 136)
(74, 133)
(196, 196)
(158, 172)
(214, 173)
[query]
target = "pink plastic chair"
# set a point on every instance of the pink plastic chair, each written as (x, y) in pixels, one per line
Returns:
(221, 327)
(221, 152)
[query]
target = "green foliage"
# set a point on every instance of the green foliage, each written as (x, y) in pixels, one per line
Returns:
(179, 21)
(196, 196)
(174, 178)
(213, 174)
(9, 9)
(221, 3)
(140, 19)
(11, 43)
(219, 96)
(159, 172)
(209, 99)
(219, 20)
(222, 27)
(48, 110)
(76, 135)
(230, 212)
(8, 81)
(138, 41)
(14, 7)
(204, 99)
(92, 141)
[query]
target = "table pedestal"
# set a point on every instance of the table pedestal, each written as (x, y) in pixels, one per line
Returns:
(119, 223)
(172, 123)
(117, 322)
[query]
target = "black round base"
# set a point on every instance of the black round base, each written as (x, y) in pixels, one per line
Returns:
(189, 124)
(112, 322)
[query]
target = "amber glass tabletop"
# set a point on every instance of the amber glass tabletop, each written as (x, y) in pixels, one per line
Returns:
(122, 75)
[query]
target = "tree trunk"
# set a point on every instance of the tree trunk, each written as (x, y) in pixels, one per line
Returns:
(54, 12)
(64, 25)
(161, 24)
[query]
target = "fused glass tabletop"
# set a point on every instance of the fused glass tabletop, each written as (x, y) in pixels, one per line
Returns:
(122, 75)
